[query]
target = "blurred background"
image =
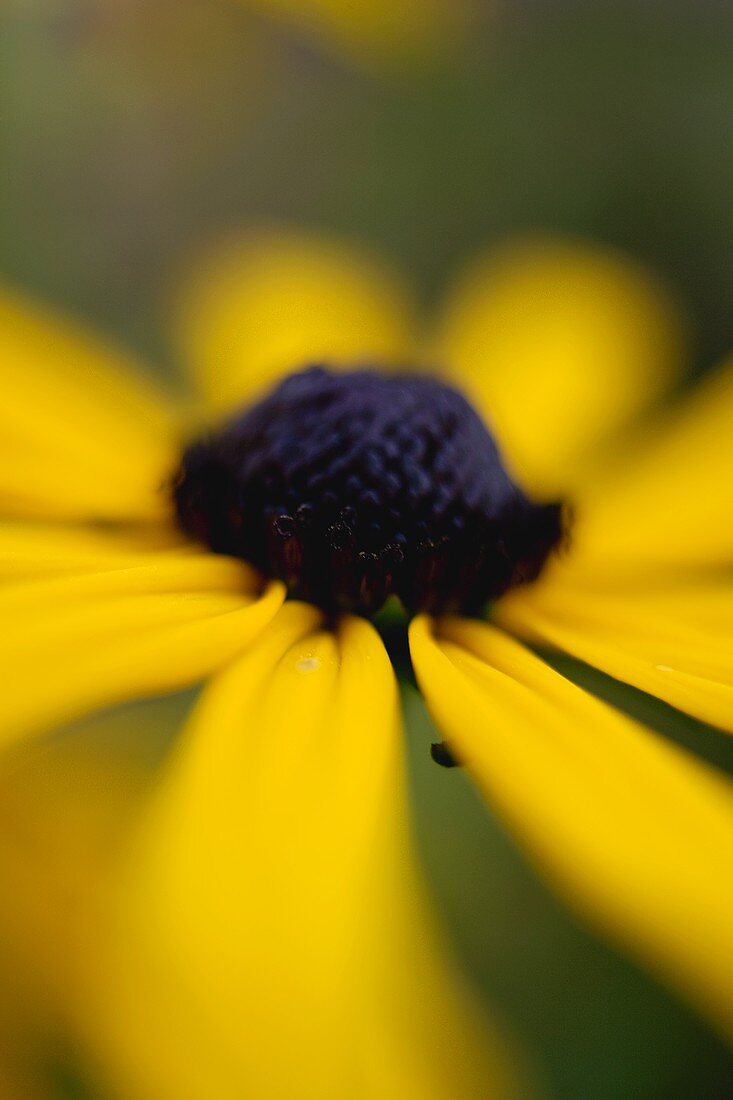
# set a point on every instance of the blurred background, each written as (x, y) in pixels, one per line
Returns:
(134, 132)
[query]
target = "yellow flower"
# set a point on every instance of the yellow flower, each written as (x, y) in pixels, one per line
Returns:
(273, 877)
(376, 30)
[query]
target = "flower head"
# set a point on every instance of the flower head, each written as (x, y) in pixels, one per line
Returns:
(346, 486)
(355, 486)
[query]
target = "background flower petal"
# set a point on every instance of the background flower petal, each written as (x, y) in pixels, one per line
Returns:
(82, 434)
(665, 499)
(672, 642)
(270, 938)
(71, 645)
(376, 31)
(272, 303)
(558, 343)
(633, 833)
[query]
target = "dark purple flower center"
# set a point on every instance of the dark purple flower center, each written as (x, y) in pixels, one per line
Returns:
(351, 487)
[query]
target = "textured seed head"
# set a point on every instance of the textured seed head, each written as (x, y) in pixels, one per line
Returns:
(352, 487)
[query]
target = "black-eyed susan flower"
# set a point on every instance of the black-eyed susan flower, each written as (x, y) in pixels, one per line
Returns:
(270, 905)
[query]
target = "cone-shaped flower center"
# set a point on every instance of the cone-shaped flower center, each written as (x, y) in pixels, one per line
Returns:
(352, 487)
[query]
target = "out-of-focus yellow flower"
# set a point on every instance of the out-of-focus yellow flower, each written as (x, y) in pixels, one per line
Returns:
(375, 30)
(66, 809)
(269, 934)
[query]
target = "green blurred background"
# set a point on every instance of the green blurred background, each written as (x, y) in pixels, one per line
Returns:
(135, 132)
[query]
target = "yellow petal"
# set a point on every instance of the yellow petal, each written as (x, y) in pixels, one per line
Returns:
(270, 937)
(558, 343)
(270, 304)
(63, 813)
(179, 571)
(81, 433)
(32, 550)
(632, 832)
(666, 501)
(70, 645)
(675, 643)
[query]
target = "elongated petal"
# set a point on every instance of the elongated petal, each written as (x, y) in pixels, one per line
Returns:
(31, 550)
(633, 832)
(666, 500)
(174, 571)
(71, 645)
(675, 643)
(558, 343)
(271, 939)
(81, 434)
(268, 305)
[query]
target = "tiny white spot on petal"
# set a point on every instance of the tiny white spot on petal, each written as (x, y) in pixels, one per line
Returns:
(308, 664)
(664, 668)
